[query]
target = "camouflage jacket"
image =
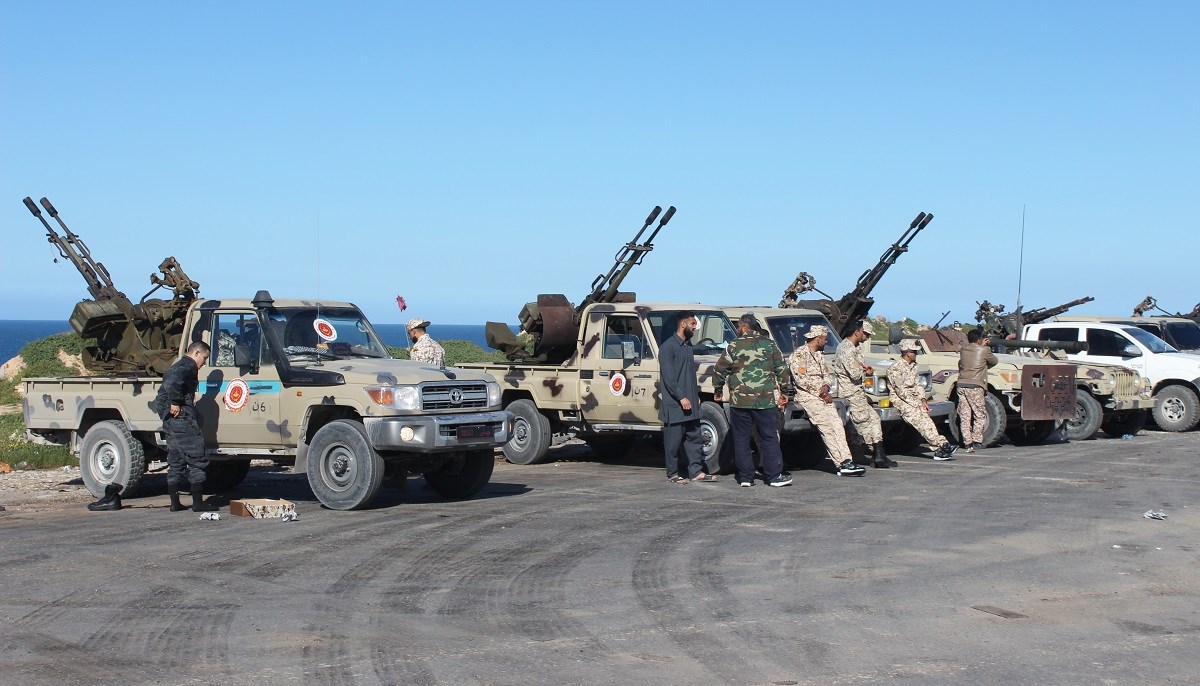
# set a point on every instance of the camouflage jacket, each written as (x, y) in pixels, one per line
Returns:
(809, 371)
(754, 369)
(904, 383)
(428, 351)
(848, 366)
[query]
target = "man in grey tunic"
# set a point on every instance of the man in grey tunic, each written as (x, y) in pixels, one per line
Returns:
(679, 406)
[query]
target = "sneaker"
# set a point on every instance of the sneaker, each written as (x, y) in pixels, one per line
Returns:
(970, 448)
(851, 469)
(745, 483)
(945, 452)
(978, 446)
(780, 480)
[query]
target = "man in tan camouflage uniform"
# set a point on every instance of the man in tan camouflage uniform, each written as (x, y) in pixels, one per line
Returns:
(812, 379)
(424, 348)
(908, 396)
(757, 376)
(849, 366)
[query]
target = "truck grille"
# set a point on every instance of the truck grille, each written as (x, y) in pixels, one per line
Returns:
(451, 430)
(453, 396)
(1127, 384)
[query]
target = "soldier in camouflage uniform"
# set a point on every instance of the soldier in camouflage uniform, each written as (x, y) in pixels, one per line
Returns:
(812, 379)
(849, 366)
(908, 396)
(424, 348)
(756, 374)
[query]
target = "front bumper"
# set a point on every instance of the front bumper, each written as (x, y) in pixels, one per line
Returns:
(795, 420)
(1138, 403)
(436, 433)
(937, 408)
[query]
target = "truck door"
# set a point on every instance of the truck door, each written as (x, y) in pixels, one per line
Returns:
(623, 371)
(239, 390)
(1114, 347)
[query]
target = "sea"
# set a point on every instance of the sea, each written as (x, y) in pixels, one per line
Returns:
(15, 333)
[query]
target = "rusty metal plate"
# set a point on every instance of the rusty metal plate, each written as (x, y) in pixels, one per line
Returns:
(1048, 391)
(944, 340)
(558, 328)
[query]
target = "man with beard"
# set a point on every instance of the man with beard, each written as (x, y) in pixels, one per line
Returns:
(424, 348)
(679, 408)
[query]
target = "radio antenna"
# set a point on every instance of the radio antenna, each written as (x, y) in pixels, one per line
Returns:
(1021, 261)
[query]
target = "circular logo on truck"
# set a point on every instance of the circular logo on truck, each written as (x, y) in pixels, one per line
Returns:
(618, 384)
(236, 395)
(325, 330)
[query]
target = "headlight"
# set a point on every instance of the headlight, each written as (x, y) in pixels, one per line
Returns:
(881, 385)
(1011, 377)
(833, 385)
(493, 394)
(1144, 386)
(927, 380)
(398, 397)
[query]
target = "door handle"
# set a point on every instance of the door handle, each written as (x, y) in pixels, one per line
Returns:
(642, 376)
(603, 373)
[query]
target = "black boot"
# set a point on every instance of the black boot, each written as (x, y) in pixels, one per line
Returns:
(198, 504)
(111, 500)
(173, 491)
(881, 459)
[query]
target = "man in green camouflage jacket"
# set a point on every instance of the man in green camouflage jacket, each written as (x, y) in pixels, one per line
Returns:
(757, 376)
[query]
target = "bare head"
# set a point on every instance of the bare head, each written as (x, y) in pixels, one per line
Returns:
(198, 351)
(747, 324)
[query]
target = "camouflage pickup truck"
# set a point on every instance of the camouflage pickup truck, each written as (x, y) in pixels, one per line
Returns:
(299, 380)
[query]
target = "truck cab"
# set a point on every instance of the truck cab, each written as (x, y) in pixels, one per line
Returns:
(1182, 334)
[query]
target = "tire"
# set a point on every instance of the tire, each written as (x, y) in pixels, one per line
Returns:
(1120, 424)
(344, 471)
(225, 475)
(531, 434)
(1088, 416)
(463, 475)
(997, 421)
(714, 430)
(1030, 431)
(110, 454)
(610, 447)
(1176, 408)
(899, 437)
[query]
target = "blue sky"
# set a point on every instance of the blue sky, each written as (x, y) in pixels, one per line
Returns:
(471, 155)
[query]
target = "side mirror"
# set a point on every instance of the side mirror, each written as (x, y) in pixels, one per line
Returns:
(1131, 350)
(242, 358)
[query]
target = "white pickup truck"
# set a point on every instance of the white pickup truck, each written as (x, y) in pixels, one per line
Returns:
(1174, 375)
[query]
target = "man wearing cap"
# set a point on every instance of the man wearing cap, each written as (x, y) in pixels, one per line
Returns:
(424, 348)
(908, 396)
(812, 379)
(756, 374)
(974, 359)
(849, 366)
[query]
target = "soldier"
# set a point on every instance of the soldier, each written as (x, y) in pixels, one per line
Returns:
(849, 367)
(176, 403)
(679, 408)
(974, 360)
(756, 374)
(424, 348)
(908, 396)
(812, 379)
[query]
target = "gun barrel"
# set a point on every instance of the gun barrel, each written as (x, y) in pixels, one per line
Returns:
(1065, 346)
(1041, 315)
(605, 287)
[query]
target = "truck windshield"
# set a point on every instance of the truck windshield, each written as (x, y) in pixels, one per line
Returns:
(328, 334)
(1153, 343)
(712, 336)
(788, 332)
(1185, 334)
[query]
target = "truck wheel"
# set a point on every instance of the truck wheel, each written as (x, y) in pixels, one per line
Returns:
(110, 454)
(1088, 416)
(463, 475)
(1176, 409)
(714, 430)
(1030, 431)
(899, 437)
(531, 434)
(610, 447)
(997, 420)
(344, 471)
(1120, 424)
(224, 475)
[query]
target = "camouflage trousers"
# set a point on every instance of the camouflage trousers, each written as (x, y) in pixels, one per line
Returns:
(185, 449)
(864, 417)
(919, 419)
(972, 414)
(825, 417)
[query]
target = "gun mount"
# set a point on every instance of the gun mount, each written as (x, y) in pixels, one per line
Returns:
(553, 321)
(1150, 303)
(129, 337)
(848, 310)
(997, 323)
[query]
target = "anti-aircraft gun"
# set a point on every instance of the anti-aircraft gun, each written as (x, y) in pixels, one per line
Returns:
(553, 321)
(847, 311)
(130, 338)
(997, 324)
(1151, 304)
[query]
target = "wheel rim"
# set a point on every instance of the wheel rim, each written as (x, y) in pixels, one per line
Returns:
(708, 435)
(520, 435)
(339, 468)
(1173, 409)
(105, 461)
(1080, 416)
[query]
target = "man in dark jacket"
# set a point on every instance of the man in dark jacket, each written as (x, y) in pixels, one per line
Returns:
(679, 406)
(176, 403)
(974, 360)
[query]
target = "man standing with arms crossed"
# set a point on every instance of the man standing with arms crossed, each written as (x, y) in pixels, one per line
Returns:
(849, 366)
(908, 396)
(974, 360)
(812, 379)
(757, 376)
(679, 407)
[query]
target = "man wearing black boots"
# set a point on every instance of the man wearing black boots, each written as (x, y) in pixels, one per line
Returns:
(185, 442)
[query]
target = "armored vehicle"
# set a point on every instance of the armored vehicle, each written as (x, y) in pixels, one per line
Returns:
(287, 379)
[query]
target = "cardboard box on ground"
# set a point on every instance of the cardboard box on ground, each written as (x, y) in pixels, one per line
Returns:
(261, 508)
